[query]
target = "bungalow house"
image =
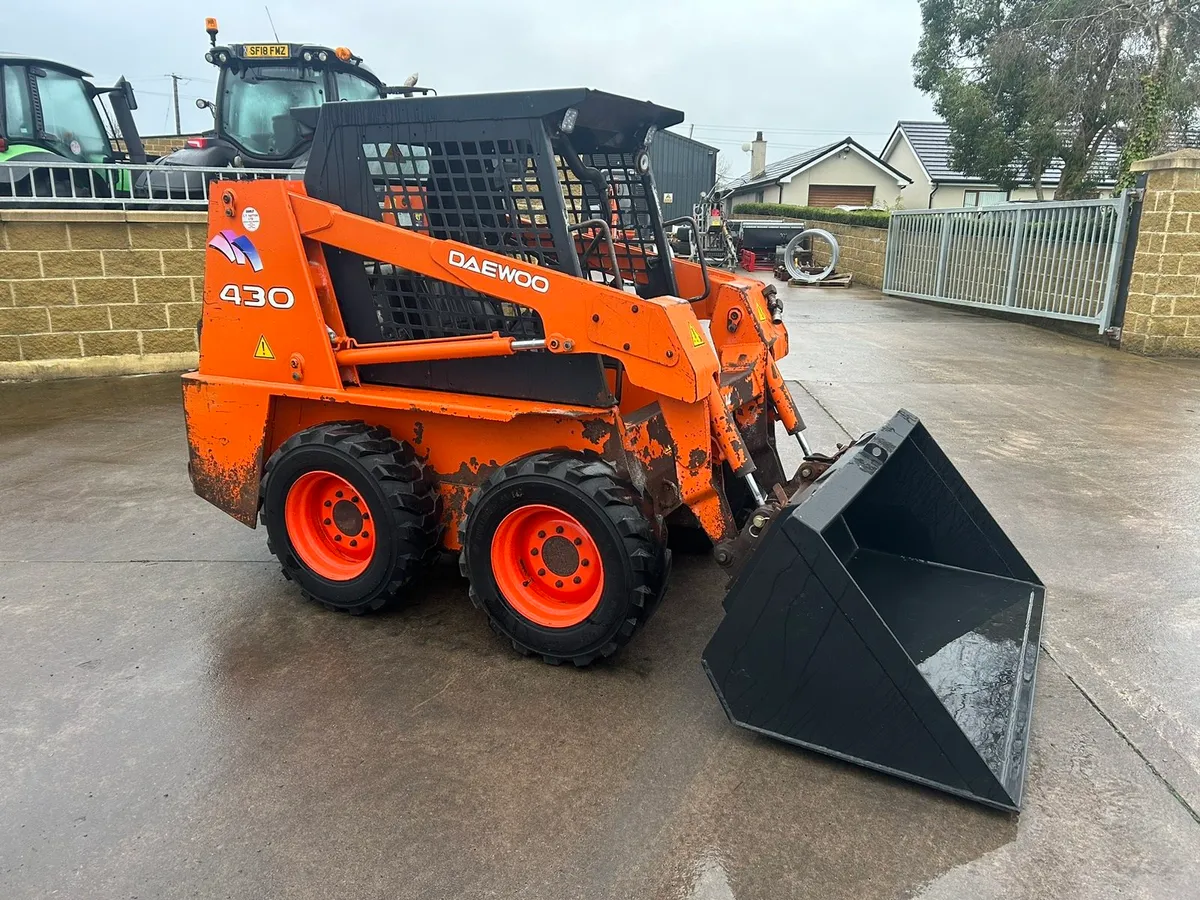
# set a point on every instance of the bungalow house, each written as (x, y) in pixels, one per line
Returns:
(843, 173)
(922, 151)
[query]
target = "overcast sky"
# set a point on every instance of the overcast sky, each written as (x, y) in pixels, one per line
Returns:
(805, 72)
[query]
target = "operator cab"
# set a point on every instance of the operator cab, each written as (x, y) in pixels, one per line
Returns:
(50, 112)
(557, 179)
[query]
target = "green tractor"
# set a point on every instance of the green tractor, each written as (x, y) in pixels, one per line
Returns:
(50, 113)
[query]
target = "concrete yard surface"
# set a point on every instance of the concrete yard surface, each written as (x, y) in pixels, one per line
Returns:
(176, 722)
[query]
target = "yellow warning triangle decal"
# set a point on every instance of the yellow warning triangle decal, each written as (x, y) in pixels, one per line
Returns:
(263, 350)
(697, 338)
(758, 311)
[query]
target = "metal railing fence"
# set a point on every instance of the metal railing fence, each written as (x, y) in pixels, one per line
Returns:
(1060, 260)
(70, 185)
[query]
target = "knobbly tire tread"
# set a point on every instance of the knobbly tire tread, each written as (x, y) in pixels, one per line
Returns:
(599, 483)
(408, 489)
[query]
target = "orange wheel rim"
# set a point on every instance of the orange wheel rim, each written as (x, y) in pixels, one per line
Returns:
(547, 566)
(329, 525)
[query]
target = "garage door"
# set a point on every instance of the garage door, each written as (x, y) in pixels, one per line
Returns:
(830, 195)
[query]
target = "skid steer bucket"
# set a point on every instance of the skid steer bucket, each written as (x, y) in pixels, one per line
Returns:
(886, 619)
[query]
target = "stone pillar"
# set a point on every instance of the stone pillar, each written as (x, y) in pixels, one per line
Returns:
(1162, 314)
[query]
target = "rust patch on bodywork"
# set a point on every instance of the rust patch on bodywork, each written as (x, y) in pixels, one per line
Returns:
(597, 431)
(471, 471)
(233, 489)
(738, 387)
(454, 508)
(649, 443)
(747, 416)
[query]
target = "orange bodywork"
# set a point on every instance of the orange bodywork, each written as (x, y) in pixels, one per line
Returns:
(697, 379)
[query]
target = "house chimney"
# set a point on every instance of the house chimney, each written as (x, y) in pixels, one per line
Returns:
(758, 156)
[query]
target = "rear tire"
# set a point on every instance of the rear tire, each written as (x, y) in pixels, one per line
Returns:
(351, 513)
(561, 557)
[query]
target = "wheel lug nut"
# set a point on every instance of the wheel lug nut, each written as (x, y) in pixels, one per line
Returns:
(541, 534)
(541, 571)
(337, 537)
(339, 494)
(329, 521)
(558, 584)
(533, 552)
(577, 580)
(364, 535)
(578, 542)
(329, 503)
(353, 543)
(354, 499)
(558, 530)
(585, 563)
(366, 517)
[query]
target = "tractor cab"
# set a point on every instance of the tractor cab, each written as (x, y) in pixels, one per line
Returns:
(50, 112)
(258, 86)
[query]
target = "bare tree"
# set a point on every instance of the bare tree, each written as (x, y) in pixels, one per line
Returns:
(724, 168)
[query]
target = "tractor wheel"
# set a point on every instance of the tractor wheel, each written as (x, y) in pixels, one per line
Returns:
(561, 557)
(351, 513)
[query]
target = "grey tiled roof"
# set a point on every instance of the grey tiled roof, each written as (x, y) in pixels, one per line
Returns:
(777, 170)
(784, 167)
(931, 141)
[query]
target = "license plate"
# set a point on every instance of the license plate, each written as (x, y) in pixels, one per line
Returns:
(257, 51)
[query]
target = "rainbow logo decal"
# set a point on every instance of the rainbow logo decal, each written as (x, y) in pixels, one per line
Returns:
(237, 248)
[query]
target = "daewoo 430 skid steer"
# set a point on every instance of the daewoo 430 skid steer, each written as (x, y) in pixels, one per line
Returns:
(442, 341)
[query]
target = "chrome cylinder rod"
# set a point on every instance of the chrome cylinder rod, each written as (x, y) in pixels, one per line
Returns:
(755, 491)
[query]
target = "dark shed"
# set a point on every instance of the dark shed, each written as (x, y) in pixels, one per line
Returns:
(683, 170)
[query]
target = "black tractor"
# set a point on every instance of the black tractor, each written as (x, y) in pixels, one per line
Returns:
(50, 113)
(258, 86)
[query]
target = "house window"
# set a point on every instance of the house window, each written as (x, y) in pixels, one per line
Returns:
(758, 196)
(984, 198)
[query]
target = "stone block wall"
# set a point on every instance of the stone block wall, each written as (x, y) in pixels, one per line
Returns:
(99, 292)
(160, 144)
(863, 251)
(1162, 311)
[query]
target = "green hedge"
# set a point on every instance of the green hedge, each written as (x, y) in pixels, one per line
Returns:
(869, 218)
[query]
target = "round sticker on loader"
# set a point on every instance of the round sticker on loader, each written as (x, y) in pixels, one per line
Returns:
(250, 219)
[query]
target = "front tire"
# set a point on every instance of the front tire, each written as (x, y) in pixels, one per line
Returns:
(351, 514)
(561, 557)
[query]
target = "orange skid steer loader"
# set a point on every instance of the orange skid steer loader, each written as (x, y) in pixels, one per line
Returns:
(453, 337)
